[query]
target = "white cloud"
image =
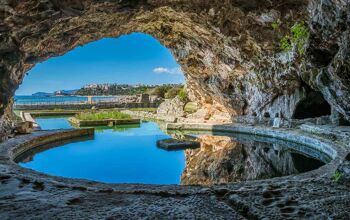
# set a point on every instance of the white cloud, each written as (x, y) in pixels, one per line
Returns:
(164, 70)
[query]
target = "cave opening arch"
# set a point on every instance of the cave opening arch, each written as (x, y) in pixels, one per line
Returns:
(194, 45)
(134, 59)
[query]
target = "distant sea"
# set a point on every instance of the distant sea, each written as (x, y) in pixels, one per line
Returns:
(60, 99)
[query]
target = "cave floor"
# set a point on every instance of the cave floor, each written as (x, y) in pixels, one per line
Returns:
(27, 194)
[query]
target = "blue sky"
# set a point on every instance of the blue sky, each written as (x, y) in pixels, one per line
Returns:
(132, 59)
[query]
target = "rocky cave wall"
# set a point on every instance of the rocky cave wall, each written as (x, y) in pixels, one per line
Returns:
(229, 50)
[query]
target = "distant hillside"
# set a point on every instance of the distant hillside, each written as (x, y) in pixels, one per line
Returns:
(119, 89)
(42, 94)
(66, 92)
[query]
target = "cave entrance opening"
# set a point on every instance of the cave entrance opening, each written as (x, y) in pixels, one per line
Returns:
(313, 106)
(131, 64)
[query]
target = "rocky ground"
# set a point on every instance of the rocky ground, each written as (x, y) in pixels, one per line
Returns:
(26, 194)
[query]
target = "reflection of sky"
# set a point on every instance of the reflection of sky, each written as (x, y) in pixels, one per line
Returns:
(128, 154)
(47, 123)
(113, 156)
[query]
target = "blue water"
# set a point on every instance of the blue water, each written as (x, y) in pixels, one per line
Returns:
(48, 123)
(122, 154)
(128, 154)
(60, 99)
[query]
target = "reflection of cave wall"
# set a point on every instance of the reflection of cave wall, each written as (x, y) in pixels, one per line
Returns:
(314, 105)
(221, 159)
(303, 165)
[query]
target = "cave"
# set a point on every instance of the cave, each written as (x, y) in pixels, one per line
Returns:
(313, 106)
(233, 63)
(202, 36)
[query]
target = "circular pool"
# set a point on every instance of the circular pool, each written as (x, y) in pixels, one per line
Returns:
(128, 154)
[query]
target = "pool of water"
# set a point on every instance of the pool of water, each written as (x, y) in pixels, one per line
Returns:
(52, 122)
(128, 154)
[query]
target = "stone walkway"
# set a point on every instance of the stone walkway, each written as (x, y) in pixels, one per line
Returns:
(26, 194)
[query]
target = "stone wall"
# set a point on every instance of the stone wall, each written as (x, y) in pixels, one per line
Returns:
(102, 105)
(229, 50)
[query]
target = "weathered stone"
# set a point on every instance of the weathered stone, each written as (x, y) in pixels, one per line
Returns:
(143, 98)
(172, 107)
(24, 127)
(343, 171)
(174, 144)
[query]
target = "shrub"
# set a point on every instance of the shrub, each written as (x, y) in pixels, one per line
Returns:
(159, 91)
(102, 116)
(285, 43)
(183, 95)
(172, 93)
(299, 36)
(276, 24)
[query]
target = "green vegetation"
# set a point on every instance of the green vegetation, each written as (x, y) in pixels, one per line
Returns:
(102, 116)
(153, 110)
(172, 93)
(124, 89)
(276, 24)
(299, 36)
(159, 90)
(183, 95)
(285, 43)
(112, 89)
(336, 176)
(190, 107)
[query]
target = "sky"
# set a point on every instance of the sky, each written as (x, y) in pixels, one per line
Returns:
(129, 59)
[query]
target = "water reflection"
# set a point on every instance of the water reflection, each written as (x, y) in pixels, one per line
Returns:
(118, 128)
(128, 154)
(120, 154)
(225, 159)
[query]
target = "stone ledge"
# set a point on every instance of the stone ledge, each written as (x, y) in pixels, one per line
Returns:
(106, 122)
(285, 134)
(51, 137)
(174, 144)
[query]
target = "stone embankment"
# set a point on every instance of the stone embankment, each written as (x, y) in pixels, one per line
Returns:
(82, 106)
(27, 117)
(106, 122)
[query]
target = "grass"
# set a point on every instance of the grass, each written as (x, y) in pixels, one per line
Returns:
(102, 116)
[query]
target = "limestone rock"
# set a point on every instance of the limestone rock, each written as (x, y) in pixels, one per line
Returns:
(344, 171)
(172, 107)
(24, 127)
(174, 144)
